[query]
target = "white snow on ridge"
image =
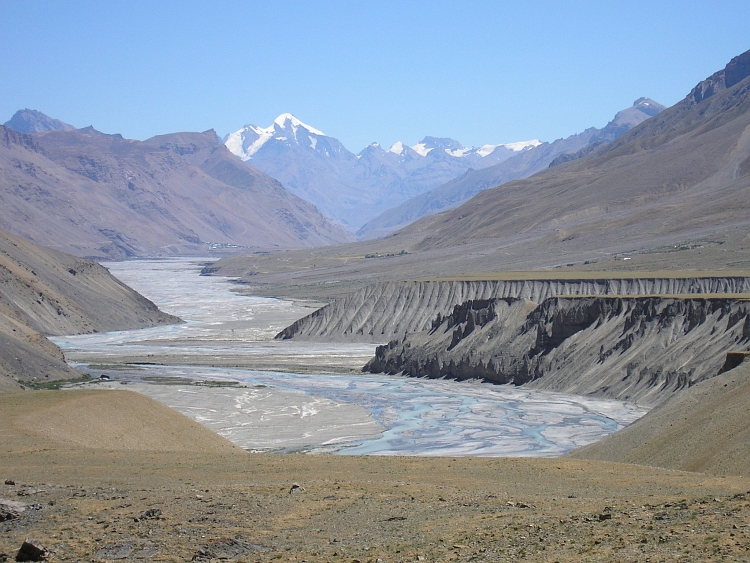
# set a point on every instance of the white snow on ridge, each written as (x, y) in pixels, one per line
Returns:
(282, 120)
(235, 141)
(421, 149)
(397, 148)
(521, 145)
(459, 153)
(485, 150)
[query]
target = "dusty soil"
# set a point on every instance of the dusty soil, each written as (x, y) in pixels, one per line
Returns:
(703, 428)
(207, 499)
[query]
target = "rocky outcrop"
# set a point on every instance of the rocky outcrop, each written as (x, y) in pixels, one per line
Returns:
(639, 349)
(383, 312)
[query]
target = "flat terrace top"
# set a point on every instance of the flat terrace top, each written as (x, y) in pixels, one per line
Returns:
(550, 275)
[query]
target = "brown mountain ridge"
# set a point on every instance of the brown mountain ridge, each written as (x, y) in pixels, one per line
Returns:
(103, 196)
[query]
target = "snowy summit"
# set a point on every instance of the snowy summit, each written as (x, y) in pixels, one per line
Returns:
(246, 142)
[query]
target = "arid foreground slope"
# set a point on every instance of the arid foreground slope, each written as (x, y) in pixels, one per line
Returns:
(44, 292)
(704, 428)
(126, 478)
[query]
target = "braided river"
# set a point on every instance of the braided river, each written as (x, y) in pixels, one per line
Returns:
(222, 368)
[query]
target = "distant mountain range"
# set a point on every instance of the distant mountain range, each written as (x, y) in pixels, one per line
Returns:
(673, 193)
(536, 158)
(103, 196)
(355, 188)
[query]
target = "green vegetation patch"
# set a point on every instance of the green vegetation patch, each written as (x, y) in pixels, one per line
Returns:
(57, 383)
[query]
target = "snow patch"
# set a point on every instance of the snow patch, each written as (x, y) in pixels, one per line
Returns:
(397, 148)
(486, 150)
(458, 153)
(421, 149)
(521, 145)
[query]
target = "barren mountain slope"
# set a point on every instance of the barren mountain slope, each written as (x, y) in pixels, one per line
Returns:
(678, 181)
(100, 195)
(704, 428)
(683, 173)
(43, 291)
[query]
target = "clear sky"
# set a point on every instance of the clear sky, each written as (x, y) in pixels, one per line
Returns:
(361, 71)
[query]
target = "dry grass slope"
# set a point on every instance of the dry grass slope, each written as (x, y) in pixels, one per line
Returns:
(105, 420)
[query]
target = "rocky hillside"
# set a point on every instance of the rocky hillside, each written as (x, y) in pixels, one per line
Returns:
(44, 292)
(382, 312)
(704, 428)
(102, 196)
(640, 349)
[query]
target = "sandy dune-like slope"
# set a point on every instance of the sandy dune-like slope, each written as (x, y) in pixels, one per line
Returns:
(704, 428)
(105, 420)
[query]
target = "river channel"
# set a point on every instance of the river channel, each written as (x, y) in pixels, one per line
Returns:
(223, 368)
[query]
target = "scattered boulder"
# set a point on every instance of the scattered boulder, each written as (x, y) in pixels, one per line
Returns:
(296, 488)
(151, 514)
(146, 552)
(10, 482)
(31, 551)
(10, 509)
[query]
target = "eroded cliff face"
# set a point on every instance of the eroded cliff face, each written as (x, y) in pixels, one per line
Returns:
(640, 349)
(382, 312)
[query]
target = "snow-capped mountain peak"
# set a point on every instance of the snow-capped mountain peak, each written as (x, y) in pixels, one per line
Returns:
(288, 120)
(246, 142)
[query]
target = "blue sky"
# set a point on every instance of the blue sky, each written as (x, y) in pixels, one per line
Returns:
(479, 72)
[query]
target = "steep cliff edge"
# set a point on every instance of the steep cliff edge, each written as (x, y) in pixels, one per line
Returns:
(385, 311)
(640, 349)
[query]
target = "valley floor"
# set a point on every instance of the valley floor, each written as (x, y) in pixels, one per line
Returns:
(173, 491)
